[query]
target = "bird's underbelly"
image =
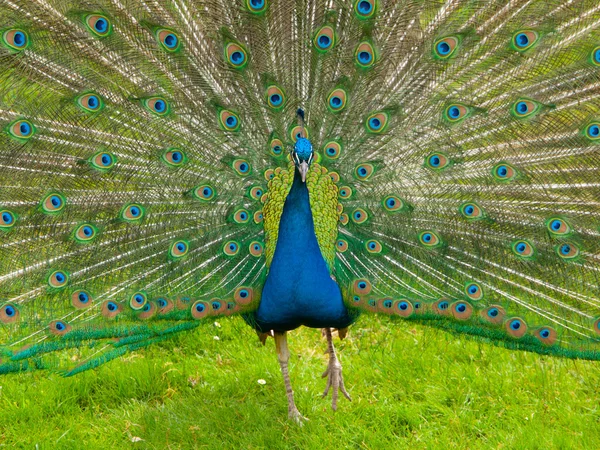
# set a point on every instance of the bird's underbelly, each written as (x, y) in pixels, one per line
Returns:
(286, 305)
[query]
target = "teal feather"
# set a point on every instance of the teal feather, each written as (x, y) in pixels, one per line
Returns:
(144, 147)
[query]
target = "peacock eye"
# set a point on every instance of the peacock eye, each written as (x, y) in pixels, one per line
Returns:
(336, 101)
(99, 25)
(53, 203)
(364, 55)
(275, 97)
(174, 157)
(228, 120)
(504, 172)
(132, 213)
(168, 39)
(157, 105)
(523, 249)
(446, 47)
(256, 6)
(7, 219)
(15, 39)
(21, 130)
(324, 39)
(524, 40)
(365, 9)
(236, 55)
(437, 161)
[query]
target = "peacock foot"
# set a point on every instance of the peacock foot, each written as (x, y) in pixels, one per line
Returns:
(294, 414)
(335, 379)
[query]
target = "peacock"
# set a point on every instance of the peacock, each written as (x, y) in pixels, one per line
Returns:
(297, 163)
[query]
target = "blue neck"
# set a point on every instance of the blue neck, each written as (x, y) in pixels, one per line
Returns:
(299, 289)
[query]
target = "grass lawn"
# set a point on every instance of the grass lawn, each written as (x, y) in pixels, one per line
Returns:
(412, 387)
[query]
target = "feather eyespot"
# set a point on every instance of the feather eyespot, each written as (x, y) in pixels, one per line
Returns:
(324, 39)
(391, 203)
(138, 300)
(275, 97)
(174, 157)
(473, 290)
(269, 174)
(168, 39)
(471, 211)
(336, 101)
(200, 309)
(242, 167)
(179, 249)
(385, 305)
(204, 192)
(255, 248)
(85, 233)
(446, 47)
(494, 314)
(111, 309)
(403, 308)
(523, 249)
(429, 239)
(229, 121)
(516, 327)
(456, 112)
(157, 105)
(217, 306)
(332, 150)
(81, 299)
(558, 226)
(132, 213)
(231, 248)
(256, 6)
(359, 216)
(90, 102)
(103, 161)
(365, 55)
(241, 216)
(297, 132)
(362, 286)
(345, 192)
(243, 295)
(9, 313)
(437, 161)
(147, 311)
(21, 130)
(592, 131)
(53, 203)
(256, 192)
(442, 306)
(236, 55)
(524, 40)
(365, 9)
(341, 245)
(8, 219)
(276, 147)
(98, 24)
(258, 217)
(344, 219)
(546, 335)
(59, 327)
(377, 123)
(568, 251)
(164, 305)
(595, 56)
(524, 108)
(364, 171)
(15, 39)
(597, 325)
(504, 172)
(461, 310)
(58, 279)
(373, 246)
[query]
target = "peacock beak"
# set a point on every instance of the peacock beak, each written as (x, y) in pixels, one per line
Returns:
(303, 169)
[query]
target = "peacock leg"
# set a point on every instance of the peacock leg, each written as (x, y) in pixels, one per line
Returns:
(283, 355)
(333, 373)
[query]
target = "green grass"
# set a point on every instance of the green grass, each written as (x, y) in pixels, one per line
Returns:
(412, 387)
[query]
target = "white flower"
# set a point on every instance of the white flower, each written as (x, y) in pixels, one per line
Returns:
(261, 381)
(217, 324)
(217, 338)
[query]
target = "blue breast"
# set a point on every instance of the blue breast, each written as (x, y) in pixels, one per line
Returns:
(299, 289)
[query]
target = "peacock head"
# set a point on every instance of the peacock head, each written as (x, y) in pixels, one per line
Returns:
(303, 155)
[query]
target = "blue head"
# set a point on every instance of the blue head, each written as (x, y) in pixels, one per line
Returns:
(303, 155)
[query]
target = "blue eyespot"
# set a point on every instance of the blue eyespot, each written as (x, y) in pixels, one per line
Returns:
(556, 224)
(111, 306)
(461, 307)
(435, 161)
(597, 56)
(364, 57)
(515, 324)
(565, 249)
(9, 311)
(101, 25)
(139, 299)
(93, 102)
(357, 215)
(594, 130)
(335, 102)
(237, 57)
(19, 39)
(60, 277)
(364, 7)
(545, 333)
(176, 156)
(521, 247)
(443, 48)
(257, 4)
(200, 307)
(324, 41)
(162, 303)
(59, 326)
(427, 237)
(473, 289)
(135, 211)
(277, 149)
(83, 297)
(25, 129)
(106, 159)
(493, 312)
(522, 107)
(275, 100)
(454, 112)
(215, 305)
(403, 306)
(372, 245)
(231, 121)
(522, 40)
(7, 218)
(443, 305)
(170, 40)
(160, 106)
(469, 210)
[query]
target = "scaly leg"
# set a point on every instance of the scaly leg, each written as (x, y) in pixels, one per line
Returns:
(333, 373)
(283, 355)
